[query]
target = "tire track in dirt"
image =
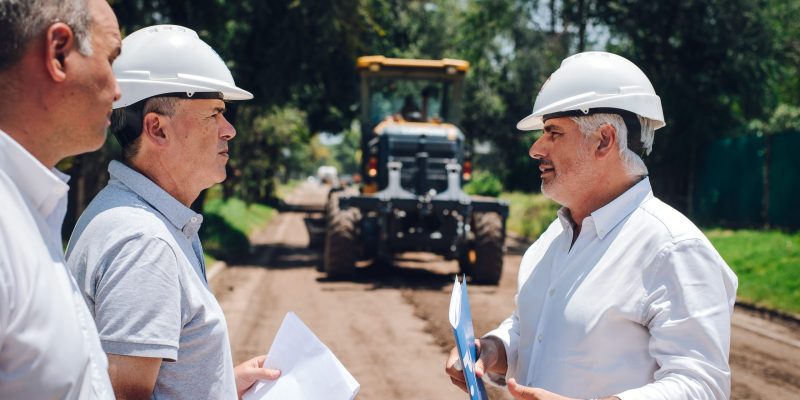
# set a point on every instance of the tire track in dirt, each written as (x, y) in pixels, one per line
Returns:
(368, 325)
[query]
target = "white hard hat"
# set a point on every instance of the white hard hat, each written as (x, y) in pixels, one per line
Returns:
(593, 82)
(163, 59)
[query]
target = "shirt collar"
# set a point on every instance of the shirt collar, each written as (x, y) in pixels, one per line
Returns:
(179, 215)
(565, 218)
(610, 215)
(43, 189)
(607, 217)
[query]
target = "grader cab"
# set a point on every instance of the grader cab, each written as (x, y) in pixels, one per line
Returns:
(414, 163)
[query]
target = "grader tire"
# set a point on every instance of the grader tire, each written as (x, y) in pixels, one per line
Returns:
(489, 236)
(341, 244)
(332, 206)
(331, 209)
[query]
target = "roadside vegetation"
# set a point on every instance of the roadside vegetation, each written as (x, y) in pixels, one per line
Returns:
(484, 184)
(529, 213)
(227, 225)
(767, 264)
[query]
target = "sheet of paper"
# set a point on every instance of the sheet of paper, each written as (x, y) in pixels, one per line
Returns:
(309, 370)
(461, 321)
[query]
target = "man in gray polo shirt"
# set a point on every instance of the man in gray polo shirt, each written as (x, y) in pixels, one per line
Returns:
(135, 251)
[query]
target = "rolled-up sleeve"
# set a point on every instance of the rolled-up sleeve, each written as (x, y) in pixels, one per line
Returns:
(137, 302)
(687, 308)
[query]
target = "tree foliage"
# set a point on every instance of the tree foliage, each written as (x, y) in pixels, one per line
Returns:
(720, 66)
(711, 63)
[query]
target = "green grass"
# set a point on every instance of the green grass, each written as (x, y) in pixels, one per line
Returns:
(530, 213)
(767, 264)
(228, 224)
(241, 216)
(484, 184)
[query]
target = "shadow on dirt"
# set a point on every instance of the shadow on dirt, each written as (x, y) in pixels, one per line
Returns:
(407, 270)
(378, 275)
(383, 276)
(280, 256)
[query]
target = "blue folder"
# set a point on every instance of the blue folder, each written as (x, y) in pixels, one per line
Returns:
(461, 321)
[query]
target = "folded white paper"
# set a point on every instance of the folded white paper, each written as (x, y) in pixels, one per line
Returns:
(309, 370)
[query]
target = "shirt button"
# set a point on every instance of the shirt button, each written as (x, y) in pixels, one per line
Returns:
(194, 219)
(552, 292)
(539, 338)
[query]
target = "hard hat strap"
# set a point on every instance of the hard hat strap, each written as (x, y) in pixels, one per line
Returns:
(630, 119)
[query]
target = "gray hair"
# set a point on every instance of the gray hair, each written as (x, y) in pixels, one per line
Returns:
(119, 120)
(23, 20)
(634, 166)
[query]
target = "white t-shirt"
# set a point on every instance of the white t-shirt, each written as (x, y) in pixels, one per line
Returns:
(638, 307)
(49, 347)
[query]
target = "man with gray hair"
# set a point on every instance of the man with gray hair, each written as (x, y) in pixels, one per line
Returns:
(622, 297)
(135, 251)
(56, 93)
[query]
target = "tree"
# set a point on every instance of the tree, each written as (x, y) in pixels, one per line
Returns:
(710, 61)
(511, 52)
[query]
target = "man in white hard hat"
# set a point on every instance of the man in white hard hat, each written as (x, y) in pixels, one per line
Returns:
(622, 296)
(135, 251)
(56, 92)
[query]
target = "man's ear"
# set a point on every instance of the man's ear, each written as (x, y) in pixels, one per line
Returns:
(607, 140)
(153, 129)
(60, 43)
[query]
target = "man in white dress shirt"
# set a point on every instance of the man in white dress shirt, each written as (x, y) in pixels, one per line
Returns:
(622, 297)
(56, 92)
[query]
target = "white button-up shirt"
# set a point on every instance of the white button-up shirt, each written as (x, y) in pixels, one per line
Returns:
(638, 307)
(49, 347)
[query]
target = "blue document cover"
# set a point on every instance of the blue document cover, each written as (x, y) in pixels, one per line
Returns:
(461, 321)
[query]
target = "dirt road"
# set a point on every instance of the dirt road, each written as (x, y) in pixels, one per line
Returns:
(390, 329)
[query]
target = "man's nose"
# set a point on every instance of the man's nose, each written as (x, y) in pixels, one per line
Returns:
(227, 131)
(117, 91)
(536, 151)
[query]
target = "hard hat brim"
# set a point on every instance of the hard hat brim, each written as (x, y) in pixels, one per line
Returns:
(135, 90)
(531, 123)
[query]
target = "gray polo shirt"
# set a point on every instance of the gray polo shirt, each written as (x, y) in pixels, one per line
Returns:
(136, 256)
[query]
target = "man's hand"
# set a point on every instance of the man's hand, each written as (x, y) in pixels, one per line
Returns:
(520, 392)
(251, 371)
(491, 357)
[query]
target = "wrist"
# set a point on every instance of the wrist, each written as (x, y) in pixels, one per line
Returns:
(489, 352)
